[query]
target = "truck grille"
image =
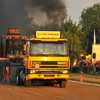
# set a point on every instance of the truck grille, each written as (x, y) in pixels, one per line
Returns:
(52, 66)
(48, 62)
(48, 72)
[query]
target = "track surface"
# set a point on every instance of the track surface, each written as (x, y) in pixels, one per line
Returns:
(73, 91)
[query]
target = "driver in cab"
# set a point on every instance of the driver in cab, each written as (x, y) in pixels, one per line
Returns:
(35, 49)
(13, 46)
(59, 49)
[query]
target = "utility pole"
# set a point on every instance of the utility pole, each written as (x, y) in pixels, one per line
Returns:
(94, 53)
(94, 41)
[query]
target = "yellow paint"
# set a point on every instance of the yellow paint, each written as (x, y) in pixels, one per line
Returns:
(48, 58)
(41, 76)
(46, 34)
(48, 39)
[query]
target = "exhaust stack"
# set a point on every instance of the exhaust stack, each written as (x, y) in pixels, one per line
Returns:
(12, 31)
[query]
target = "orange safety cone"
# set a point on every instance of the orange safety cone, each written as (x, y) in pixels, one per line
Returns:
(81, 80)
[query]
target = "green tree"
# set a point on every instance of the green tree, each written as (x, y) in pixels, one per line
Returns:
(28, 28)
(75, 38)
(90, 20)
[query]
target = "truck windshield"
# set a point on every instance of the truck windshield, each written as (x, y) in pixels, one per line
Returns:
(49, 48)
(14, 47)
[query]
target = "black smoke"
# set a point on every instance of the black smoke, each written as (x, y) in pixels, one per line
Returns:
(55, 10)
(14, 12)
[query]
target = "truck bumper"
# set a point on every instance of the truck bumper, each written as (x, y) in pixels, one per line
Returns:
(47, 76)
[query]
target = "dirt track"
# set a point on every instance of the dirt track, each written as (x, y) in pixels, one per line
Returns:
(73, 91)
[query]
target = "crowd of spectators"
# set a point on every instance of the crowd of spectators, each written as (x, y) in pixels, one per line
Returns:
(86, 66)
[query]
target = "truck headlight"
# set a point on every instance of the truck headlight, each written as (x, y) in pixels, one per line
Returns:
(32, 71)
(65, 72)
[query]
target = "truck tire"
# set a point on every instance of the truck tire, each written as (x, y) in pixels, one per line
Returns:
(0, 78)
(0, 74)
(18, 79)
(27, 83)
(62, 83)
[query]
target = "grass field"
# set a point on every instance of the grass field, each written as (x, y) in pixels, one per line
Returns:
(87, 81)
(86, 75)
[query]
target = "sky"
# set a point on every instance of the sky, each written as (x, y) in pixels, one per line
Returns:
(13, 11)
(75, 7)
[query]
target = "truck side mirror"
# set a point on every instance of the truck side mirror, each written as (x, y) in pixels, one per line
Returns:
(94, 55)
(24, 49)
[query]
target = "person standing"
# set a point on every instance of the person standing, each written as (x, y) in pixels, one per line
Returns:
(99, 68)
(20, 47)
(88, 63)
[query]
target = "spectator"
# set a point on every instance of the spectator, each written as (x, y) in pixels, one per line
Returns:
(82, 66)
(93, 68)
(97, 67)
(88, 64)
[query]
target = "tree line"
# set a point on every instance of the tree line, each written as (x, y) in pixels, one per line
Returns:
(80, 37)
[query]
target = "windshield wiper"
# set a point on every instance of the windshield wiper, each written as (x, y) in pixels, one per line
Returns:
(38, 54)
(61, 54)
(55, 54)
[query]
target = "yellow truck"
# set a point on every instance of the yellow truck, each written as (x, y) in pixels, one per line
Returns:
(86, 56)
(46, 59)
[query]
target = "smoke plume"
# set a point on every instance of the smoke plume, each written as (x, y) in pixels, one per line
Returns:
(13, 13)
(52, 11)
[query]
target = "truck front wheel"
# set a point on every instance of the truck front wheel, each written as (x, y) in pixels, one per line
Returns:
(62, 83)
(18, 79)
